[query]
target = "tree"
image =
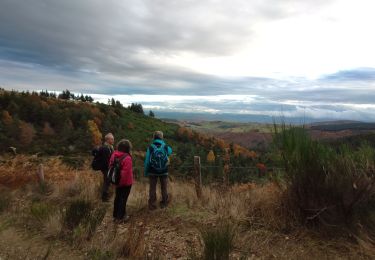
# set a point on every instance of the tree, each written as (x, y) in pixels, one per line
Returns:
(96, 135)
(47, 129)
(137, 108)
(6, 118)
(118, 104)
(211, 157)
(89, 99)
(66, 95)
(151, 114)
(113, 102)
(27, 133)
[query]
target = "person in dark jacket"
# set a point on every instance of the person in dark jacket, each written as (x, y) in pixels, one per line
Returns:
(154, 174)
(123, 153)
(107, 150)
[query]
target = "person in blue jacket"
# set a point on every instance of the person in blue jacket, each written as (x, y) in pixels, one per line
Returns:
(156, 167)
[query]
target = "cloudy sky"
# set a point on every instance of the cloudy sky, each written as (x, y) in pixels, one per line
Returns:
(311, 58)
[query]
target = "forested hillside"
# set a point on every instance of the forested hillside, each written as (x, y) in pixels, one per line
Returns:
(50, 124)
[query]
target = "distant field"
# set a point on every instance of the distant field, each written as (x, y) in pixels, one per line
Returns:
(345, 126)
(220, 127)
(259, 135)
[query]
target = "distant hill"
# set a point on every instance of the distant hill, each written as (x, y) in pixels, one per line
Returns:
(342, 125)
(239, 118)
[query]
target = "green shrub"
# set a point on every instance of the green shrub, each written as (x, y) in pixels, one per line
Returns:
(43, 189)
(40, 211)
(97, 254)
(5, 200)
(77, 212)
(81, 219)
(73, 162)
(333, 187)
(218, 241)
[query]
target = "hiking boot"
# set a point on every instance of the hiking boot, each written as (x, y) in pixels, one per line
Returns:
(152, 207)
(121, 220)
(105, 197)
(163, 205)
(126, 219)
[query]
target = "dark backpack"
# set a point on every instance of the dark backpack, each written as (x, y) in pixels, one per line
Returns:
(97, 163)
(159, 158)
(114, 172)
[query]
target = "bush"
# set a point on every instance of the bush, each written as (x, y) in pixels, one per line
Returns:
(40, 211)
(333, 187)
(97, 254)
(77, 212)
(75, 163)
(218, 241)
(81, 218)
(4, 201)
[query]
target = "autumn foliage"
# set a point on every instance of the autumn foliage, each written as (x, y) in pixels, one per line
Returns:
(6, 118)
(27, 133)
(96, 135)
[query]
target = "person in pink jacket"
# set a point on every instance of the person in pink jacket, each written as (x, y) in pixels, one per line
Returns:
(126, 180)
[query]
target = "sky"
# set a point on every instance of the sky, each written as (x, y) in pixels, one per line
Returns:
(310, 58)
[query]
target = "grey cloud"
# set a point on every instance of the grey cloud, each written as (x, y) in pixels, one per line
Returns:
(360, 74)
(109, 35)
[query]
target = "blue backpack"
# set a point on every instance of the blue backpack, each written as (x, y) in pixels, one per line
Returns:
(159, 158)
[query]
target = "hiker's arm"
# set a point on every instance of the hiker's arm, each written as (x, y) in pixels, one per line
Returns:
(147, 162)
(169, 150)
(107, 155)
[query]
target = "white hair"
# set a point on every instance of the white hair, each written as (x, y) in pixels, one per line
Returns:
(158, 135)
(109, 136)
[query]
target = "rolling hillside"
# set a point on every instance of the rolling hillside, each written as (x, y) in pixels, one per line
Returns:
(41, 123)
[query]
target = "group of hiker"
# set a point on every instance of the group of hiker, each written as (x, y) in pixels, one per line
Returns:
(116, 165)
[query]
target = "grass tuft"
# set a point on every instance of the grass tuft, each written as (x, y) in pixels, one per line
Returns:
(41, 211)
(218, 241)
(77, 211)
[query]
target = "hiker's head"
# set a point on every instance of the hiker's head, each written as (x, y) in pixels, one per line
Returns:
(124, 146)
(158, 135)
(109, 138)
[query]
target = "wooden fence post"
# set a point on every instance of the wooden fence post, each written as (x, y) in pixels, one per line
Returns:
(40, 174)
(226, 174)
(226, 168)
(198, 176)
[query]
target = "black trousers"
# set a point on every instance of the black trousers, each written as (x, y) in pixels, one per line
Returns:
(163, 187)
(119, 207)
(106, 185)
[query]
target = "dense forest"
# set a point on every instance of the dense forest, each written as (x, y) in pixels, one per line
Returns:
(48, 124)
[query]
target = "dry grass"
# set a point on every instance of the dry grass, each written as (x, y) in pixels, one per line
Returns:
(257, 211)
(134, 245)
(53, 226)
